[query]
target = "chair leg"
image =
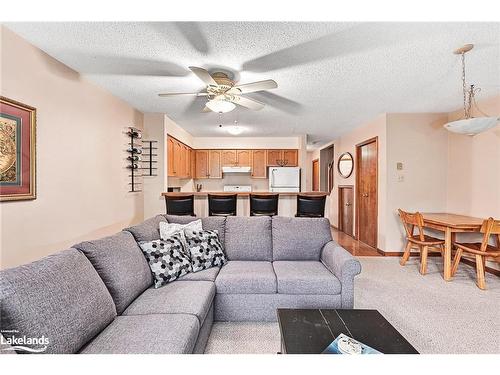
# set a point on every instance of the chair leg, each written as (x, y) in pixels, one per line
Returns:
(456, 261)
(406, 254)
(481, 283)
(423, 261)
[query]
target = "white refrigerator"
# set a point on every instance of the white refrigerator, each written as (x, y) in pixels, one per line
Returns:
(284, 179)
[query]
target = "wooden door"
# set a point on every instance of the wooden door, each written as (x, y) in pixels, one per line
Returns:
(273, 156)
(346, 209)
(228, 158)
(259, 165)
(201, 161)
(243, 158)
(315, 175)
(170, 157)
(214, 164)
(291, 158)
(366, 192)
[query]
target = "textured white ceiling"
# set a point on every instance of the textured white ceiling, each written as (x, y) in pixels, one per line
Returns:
(331, 76)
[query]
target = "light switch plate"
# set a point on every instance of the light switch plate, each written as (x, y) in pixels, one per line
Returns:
(399, 166)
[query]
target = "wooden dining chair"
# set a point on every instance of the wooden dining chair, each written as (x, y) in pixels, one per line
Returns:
(481, 250)
(420, 240)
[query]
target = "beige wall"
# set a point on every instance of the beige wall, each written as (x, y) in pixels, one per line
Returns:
(82, 190)
(246, 142)
(347, 143)
(474, 168)
(419, 141)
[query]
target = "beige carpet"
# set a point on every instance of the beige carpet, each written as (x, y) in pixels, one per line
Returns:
(434, 315)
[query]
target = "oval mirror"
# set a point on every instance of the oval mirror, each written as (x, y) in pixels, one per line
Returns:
(345, 164)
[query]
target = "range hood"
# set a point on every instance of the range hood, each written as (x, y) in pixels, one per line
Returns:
(236, 169)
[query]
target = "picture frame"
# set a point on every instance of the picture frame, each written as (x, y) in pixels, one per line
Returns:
(17, 150)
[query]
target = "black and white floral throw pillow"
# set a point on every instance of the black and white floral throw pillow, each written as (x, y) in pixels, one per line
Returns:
(205, 249)
(167, 259)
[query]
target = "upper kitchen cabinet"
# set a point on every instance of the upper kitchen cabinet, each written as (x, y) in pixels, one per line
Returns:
(243, 158)
(201, 168)
(273, 156)
(228, 158)
(291, 158)
(288, 158)
(259, 163)
(178, 159)
(214, 164)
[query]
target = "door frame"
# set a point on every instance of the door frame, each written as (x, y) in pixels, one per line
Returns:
(312, 174)
(357, 192)
(340, 202)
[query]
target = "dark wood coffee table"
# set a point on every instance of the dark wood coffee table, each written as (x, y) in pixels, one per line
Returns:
(310, 331)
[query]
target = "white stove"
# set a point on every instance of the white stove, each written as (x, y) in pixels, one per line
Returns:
(238, 188)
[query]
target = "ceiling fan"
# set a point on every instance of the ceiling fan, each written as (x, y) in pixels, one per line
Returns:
(222, 93)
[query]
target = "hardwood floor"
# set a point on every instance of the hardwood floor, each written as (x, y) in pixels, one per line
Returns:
(352, 245)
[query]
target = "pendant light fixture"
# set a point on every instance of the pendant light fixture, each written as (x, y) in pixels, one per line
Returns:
(468, 124)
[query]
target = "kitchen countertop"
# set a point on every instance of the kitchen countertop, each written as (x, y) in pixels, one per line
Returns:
(241, 194)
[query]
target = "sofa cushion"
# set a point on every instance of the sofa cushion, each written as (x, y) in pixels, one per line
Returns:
(204, 249)
(187, 297)
(119, 261)
(205, 275)
(242, 277)
(299, 238)
(148, 230)
(167, 259)
(208, 223)
(249, 238)
(305, 277)
(147, 334)
(60, 297)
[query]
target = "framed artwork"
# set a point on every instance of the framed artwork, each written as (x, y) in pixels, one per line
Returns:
(17, 150)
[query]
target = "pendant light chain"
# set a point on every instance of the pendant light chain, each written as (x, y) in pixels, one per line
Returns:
(464, 89)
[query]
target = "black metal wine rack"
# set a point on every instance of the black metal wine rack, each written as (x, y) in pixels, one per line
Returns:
(134, 158)
(149, 163)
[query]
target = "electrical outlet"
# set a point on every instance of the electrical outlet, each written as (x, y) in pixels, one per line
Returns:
(401, 178)
(399, 166)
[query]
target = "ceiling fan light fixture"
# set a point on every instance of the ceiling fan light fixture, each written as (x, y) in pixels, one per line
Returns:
(220, 106)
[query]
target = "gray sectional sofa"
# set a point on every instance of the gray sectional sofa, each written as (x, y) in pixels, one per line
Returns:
(98, 296)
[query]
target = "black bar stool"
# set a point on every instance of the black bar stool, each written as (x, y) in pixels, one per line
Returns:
(263, 204)
(180, 205)
(310, 205)
(222, 205)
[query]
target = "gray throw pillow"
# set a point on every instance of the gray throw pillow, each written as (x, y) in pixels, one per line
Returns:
(205, 249)
(167, 259)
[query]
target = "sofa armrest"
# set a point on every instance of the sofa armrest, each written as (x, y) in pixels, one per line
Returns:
(344, 266)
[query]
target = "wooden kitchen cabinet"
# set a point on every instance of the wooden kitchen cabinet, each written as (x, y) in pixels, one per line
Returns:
(259, 164)
(192, 166)
(273, 156)
(170, 157)
(214, 164)
(290, 157)
(243, 158)
(228, 158)
(201, 161)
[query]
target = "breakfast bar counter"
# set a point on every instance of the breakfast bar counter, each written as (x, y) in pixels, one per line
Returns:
(242, 193)
(287, 204)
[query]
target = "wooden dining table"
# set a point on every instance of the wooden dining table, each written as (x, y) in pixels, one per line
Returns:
(450, 224)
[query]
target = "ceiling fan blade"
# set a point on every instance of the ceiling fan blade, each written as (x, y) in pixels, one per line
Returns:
(184, 93)
(268, 84)
(278, 102)
(247, 102)
(204, 75)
